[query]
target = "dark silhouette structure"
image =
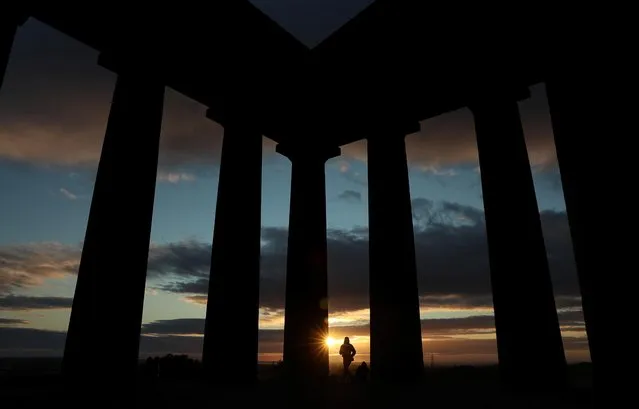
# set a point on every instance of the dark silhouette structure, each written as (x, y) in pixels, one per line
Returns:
(361, 373)
(522, 292)
(9, 22)
(359, 83)
(235, 260)
(306, 314)
(136, 112)
(396, 333)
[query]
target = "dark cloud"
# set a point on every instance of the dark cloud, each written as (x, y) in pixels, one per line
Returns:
(12, 321)
(187, 258)
(451, 250)
(453, 273)
(474, 301)
(21, 302)
(184, 336)
(175, 327)
(28, 265)
(452, 261)
(195, 326)
(56, 100)
(350, 196)
(28, 342)
(55, 103)
(448, 141)
(31, 342)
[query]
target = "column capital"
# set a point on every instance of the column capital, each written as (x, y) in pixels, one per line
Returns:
(236, 117)
(298, 152)
(22, 18)
(499, 95)
(386, 130)
(18, 17)
(126, 62)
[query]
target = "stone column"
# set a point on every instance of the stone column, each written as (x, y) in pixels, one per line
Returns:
(394, 299)
(529, 339)
(9, 22)
(232, 313)
(585, 144)
(104, 329)
(306, 317)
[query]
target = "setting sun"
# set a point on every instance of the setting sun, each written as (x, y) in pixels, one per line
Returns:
(330, 341)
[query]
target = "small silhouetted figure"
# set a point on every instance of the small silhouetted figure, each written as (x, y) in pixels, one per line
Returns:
(361, 373)
(347, 351)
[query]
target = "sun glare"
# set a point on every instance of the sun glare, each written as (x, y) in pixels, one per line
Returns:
(330, 341)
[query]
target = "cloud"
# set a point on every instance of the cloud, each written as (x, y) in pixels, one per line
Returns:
(350, 196)
(451, 248)
(437, 171)
(175, 177)
(54, 111)
(452, 261)
(28, 265)
(12, 321)
(21, 302)
(453, 276)
(68, 194)
(180, 326)
(449, 338)
(31, 342)
(346, 170)
(448, 141)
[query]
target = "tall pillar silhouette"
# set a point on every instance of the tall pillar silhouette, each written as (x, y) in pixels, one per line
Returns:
(104, 329)
(578, 128)
(529, 342)
(306, 316)
(9, 22)
(232, 310)
(394, 299)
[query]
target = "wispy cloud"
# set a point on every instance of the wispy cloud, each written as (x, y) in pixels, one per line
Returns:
(175, 177)
(350, 196)
(351, 175)
(68, 194)
(439, 171)
(28, 265)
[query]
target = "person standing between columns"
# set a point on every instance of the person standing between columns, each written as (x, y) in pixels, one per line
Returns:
(306, 305)
(348, 352)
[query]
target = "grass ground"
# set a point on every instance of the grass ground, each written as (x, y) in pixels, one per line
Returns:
(462, 387)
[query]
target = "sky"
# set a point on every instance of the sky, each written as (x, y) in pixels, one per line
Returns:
(53, 111)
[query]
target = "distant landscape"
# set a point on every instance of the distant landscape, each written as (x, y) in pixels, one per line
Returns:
(580, 375)
(36, 382)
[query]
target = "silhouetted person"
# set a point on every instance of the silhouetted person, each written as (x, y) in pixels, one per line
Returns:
(347, 351)
(361, 373)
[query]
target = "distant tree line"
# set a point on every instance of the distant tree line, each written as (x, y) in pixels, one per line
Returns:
(171, 367)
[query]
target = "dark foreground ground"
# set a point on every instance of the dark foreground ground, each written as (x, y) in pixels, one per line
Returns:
(465, 387)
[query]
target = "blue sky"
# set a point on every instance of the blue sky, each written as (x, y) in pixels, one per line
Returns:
(53, 112)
